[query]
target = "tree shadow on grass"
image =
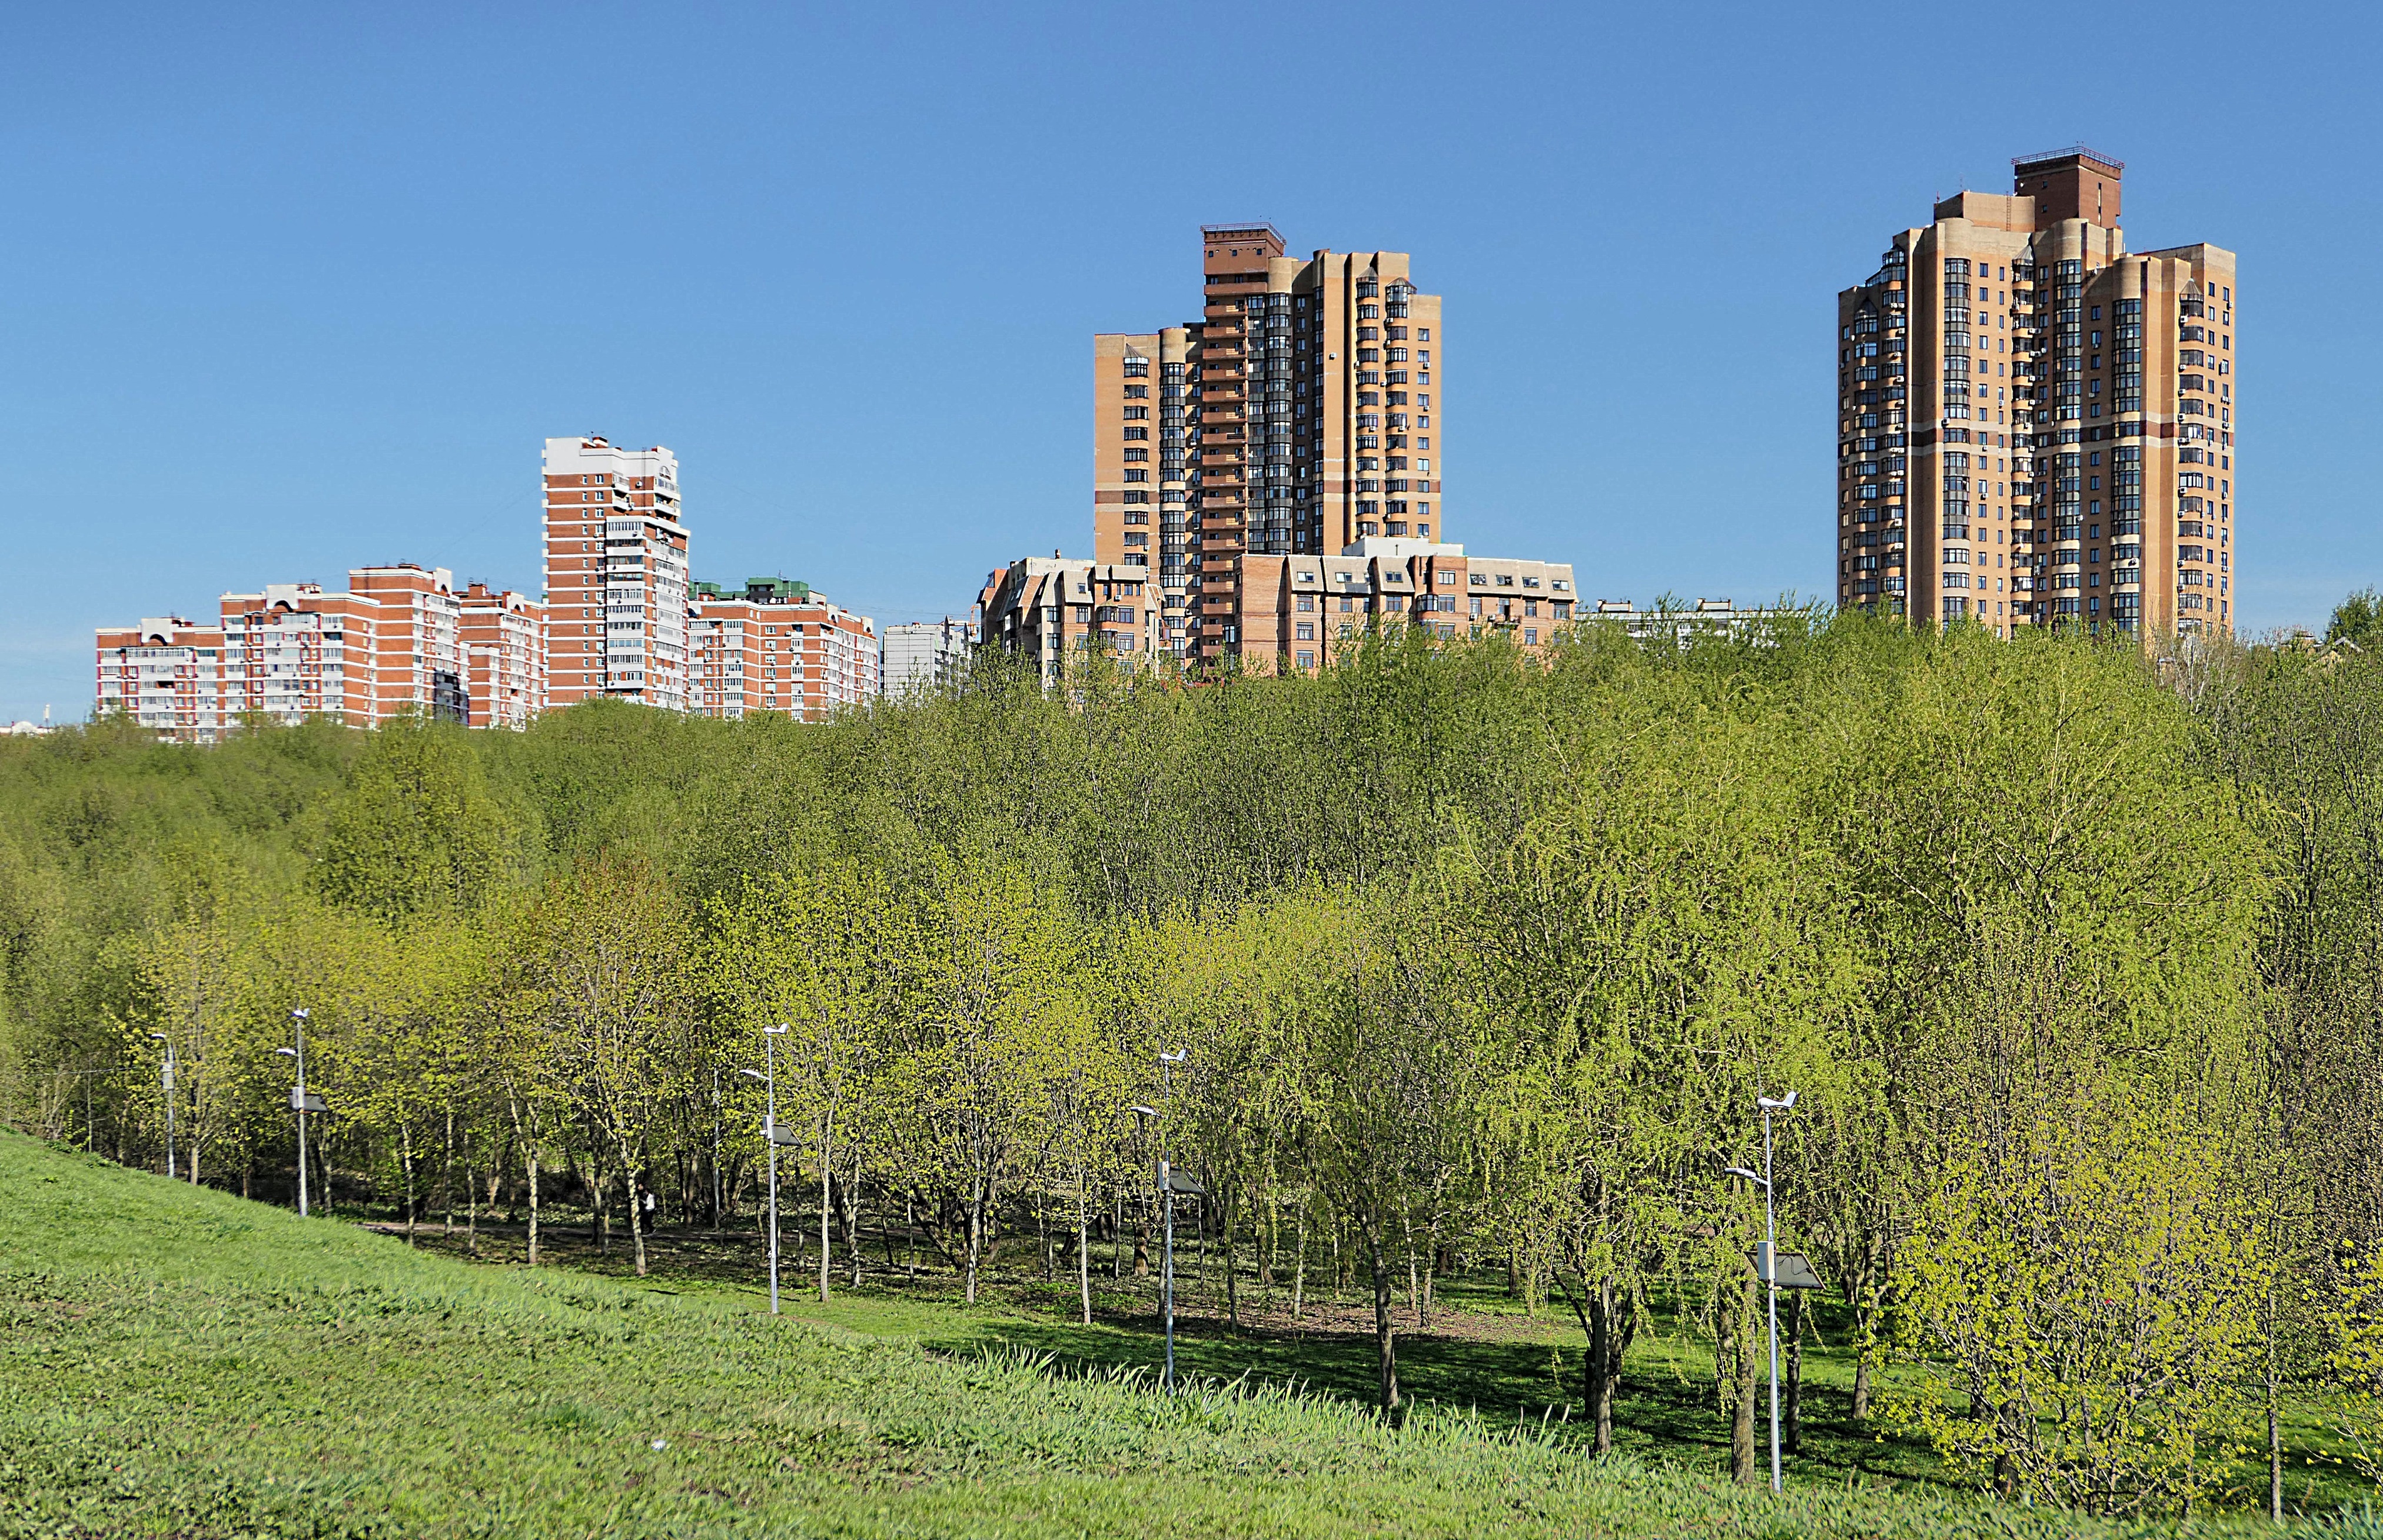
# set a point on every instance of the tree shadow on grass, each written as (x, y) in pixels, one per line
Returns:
(1482, 1352)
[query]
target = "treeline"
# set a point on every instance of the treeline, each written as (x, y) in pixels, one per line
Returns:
(2074, 958)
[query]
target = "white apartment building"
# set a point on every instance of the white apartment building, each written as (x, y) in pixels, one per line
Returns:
(922, 655)
(616, 574)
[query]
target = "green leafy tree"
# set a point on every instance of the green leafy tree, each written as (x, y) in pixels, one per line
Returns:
(2082, 1294)
(416, 830)
(2357, 619)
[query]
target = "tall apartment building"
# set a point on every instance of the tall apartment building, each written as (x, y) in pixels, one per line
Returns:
(503, 638)
(616, 574)
(166, 675)
(920, 655)
(2035, 425)
(1293, 417)
(1054, 609)
(778, 647)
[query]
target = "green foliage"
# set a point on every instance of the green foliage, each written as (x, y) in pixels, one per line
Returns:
(1475, 956)
(416, 830)
(2091, 1276)
(2357, 619)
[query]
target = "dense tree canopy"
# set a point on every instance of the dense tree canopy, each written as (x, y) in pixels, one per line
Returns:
(2071, 954)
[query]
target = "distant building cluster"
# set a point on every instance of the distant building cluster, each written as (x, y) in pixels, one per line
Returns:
(619, 620)
(1269, 480)
(2034, 427)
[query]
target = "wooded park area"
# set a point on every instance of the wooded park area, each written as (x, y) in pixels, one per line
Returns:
(2074, 957)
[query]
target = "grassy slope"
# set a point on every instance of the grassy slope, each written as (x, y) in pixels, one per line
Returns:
(181, 1361)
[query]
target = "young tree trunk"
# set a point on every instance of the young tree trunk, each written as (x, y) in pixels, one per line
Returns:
(1866, 1306)
(629, 1201)
(1615, 1322)
(471, 1208)
(1117, 1235)
(1415, 1285)
(1609, 1321)
(447, 1180)
(533, 1205)
(1791, 1417)
(1232, 1260)
(852, 1198)
(1084, 1245)
(2274, 1430)
(1299, 1268)
(975, 1231)
(1142, 1250)
(1385, 1331)
(827, 1195)
(405, 1148)
(600, 1228)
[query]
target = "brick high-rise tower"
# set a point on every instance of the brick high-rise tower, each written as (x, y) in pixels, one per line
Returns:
(2035, 425)
(1295, 416)
(616, 575)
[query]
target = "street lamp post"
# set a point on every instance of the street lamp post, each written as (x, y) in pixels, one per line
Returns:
(1167, 1198)
(166, 1092)
(1769, 1268)
(299, 1103)
(770, 1136)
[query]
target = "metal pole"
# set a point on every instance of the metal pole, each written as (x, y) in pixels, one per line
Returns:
(1771, 1266)
(299, 1017)
(166, 1089)
(769, 1049)
(1166, 1283)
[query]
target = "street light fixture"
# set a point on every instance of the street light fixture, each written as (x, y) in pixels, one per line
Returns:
(771, 1136)
(1767, 1262)
(1169, 1184)
(166, 1092)
(301, 1101)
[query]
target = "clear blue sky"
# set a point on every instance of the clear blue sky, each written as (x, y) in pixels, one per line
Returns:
(285, 291)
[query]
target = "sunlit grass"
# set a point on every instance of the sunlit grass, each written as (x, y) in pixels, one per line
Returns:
(183, 1362)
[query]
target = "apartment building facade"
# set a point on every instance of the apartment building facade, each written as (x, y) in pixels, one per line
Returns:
(416, 637)
(2035, 427)
(1292, 613)
(388, 646)
(922, 655)
(166, 675)
(294, 650)
(616, 574)
(1293, 418)
(1053, 609)
(776, 646)
(502, 638)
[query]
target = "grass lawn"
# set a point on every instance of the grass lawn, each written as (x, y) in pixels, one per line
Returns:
(182, 1363)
